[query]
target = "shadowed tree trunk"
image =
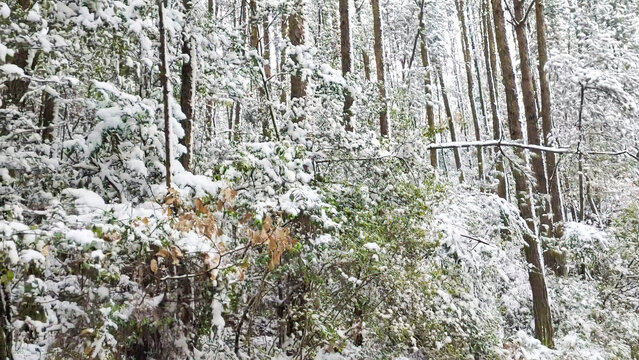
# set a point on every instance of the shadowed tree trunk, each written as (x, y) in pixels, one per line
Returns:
(296, 36)
(347, 63)
(469, 81)
(546, 119)
(266, 55)
(491, 67)
(164, 80)
(187, 95)
(47, 116)
(284, 35)
(430, 116)
(18, 87)
(541, 308)
(530, 110)
(378, 48)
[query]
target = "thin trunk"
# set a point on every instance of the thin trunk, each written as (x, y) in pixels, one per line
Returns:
(47, 116)
(541, 307)
(480, 87)
(451, 124)
(345, 48)
(187, 96)
(164, 80)
(546, 122)
(469, 77)
(254, 36)
(379, 63)
(266, 46)
(238, 120)
(530, 110)
(283, 34)
(430, 116)
(6, 338)
(582, 208)
(296, 36)
(491, 65)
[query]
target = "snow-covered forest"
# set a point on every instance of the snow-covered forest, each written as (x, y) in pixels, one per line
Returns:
(319, 179)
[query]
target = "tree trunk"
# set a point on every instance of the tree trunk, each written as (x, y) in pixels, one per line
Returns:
(6, 337)
(47, 116)
(430, 116)
(530, 110)
(541, 308)
(284, 35)
(164, 80)
(469, 82)
(254, 34)
(378, 48)
(582, 208)
(451, 124)
(345, 49)
(296, 36)
(546, 119)
(266, 54)
(18, 87)
(187, 95)
(491, 66)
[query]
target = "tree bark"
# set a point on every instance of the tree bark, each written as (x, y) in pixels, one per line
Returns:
(284, 35)
(47, 116)
(491, 65)
(546, 114)
(451, 124)
(266, 55)
(347, 62)
(378, 48)
(541, 308)
(164, 80)
(469, 81)
(430, 116)
(18, 87)
(297, 38)
(530, 110)
(187, 95)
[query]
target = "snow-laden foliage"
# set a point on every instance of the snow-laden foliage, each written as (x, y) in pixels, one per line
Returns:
(296, 239)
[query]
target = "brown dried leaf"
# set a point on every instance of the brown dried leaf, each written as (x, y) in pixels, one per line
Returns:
(246, 218)
(165, 253)
(267, 224)
(176, 252)
(154, 266)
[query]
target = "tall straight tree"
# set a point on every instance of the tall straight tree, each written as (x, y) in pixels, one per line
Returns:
(378, 47)
(536, 277)
(451, 124)
(491, 68)
(297, 38)
(164, 80)
(347, 62)
(530, 111)
(469, 81)
(546, 119)
(187, 92)
(430, 115)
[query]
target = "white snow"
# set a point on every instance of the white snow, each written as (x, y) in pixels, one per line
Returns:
(83, 237)
(372, 247)
(28, 255)
(4, 10)
(11, 69)
(85, 200)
